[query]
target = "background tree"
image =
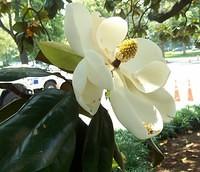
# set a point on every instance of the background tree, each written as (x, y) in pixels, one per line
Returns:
(179, 20)
(27, 21)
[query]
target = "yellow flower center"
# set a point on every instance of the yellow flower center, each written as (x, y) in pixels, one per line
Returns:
(125, 51)
(150, 128)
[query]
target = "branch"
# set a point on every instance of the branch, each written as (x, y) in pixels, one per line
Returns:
(10, 25)
(5, 28)
(140, 20)
(161, 17)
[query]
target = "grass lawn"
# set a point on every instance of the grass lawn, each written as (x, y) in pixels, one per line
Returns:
(176, 54)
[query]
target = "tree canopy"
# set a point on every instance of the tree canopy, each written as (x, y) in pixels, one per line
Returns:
(160, 20)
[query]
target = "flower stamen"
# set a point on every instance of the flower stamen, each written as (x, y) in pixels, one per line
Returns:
(125, 51)
(149, 127)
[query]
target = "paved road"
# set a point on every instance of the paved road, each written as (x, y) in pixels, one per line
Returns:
(184, 81)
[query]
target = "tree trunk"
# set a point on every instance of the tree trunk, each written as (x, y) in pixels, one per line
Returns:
(23, 57)
(184, 48)
(162, 48)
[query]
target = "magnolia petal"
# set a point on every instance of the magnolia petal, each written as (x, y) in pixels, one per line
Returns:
(96, 21)
(164, 102)
(77, 27)
(110, 33)
(136, 113)
(147, 52)
(79, 79)
(87, 94)
(152, 77)
(90, 98)
(160, 98)
(98, 73)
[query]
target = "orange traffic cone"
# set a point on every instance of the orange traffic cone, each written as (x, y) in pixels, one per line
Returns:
(190, 96)
(176, 93)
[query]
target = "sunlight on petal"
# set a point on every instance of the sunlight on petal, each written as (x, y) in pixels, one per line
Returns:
(96, 21)
(110, 33)
(79, 79)
(152, 77)
(136, 113)
(98, 73)
(90, 98)
(164, 102)
(76, 30)
(87, 94)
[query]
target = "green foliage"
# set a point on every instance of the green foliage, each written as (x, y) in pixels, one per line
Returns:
(29, 21)
(52, 6)
(5, 6)
(60, 55)
(134, 150)
(11, 74)
(186, 119)
(8, 47)
(99, 144)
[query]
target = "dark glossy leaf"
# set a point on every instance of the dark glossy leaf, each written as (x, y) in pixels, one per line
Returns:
(156, 155)
(118, 157)
(11, 108)
(52, 6)
(11, 74)
(43, 132)
(18, 127)
(81, 130)
(99, 143)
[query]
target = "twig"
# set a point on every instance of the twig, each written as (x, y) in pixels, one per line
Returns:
(140, 20)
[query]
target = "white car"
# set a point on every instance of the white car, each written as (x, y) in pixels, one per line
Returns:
(37, 83)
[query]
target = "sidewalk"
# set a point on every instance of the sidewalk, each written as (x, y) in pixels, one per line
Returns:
(184, 80)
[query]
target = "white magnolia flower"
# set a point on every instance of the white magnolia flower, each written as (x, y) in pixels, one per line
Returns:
(133, 70)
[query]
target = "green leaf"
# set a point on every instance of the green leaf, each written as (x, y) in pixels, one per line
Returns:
(99, 143)
(20, 26)
(38, 138)
(11, 74)
(10, 109)
(81, 130)
(60, 55)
